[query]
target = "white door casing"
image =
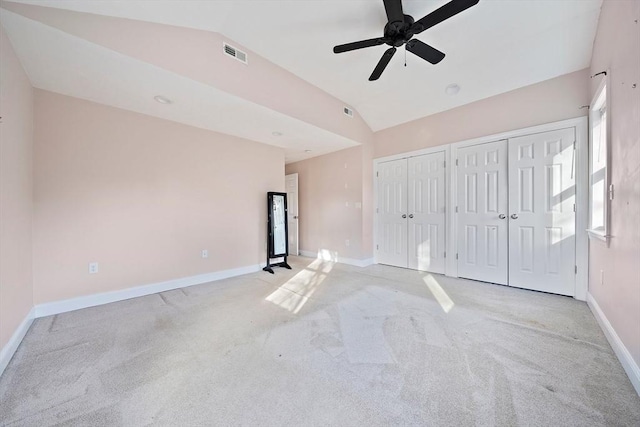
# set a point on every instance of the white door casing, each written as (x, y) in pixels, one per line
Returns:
(541, 206)
(392, 213)
(482, 226)
(291, 187)
(427, 212)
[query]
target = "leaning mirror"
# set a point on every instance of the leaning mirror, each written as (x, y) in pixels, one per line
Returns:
(279, 225)
(277, 236)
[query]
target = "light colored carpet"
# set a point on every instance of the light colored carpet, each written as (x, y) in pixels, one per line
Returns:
(323, 344)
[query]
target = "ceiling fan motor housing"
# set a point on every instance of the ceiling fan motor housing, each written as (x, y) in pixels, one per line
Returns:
(398, 33)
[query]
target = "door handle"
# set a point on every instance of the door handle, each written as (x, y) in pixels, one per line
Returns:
(404, 216)
(295, 217)
(502, 216)
(514, 216)
(410, 215)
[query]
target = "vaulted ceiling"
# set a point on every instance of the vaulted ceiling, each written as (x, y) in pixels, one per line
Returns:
(293, 84)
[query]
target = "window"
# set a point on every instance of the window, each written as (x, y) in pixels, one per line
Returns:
(600, 192)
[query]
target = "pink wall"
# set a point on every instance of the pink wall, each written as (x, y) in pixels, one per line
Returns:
(142, 196)
(180, 50)
(16, 190)
(329, 187)
(617, 48)
(549, 101)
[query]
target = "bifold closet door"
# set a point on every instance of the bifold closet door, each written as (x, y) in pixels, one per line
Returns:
(426, 212)
(542, 191)
(392, 213)
(482, 204)
(411, 213)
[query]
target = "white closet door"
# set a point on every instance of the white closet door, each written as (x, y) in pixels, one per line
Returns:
(426, 178)
(541, 206)
(392, 213)
(482, 208)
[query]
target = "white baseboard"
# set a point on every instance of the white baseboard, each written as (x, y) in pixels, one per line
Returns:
(629, 365)
(10, 348)
(366, 262)
(57, 307)
(332, 256)
(308, 254)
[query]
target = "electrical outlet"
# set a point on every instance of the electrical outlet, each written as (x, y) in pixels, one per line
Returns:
(93, 267)
(205, 253)
(346, 242)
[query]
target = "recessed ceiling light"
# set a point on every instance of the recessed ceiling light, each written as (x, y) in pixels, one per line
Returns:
(276, 133)
(307, 151)
(162, 99)
(452, 89)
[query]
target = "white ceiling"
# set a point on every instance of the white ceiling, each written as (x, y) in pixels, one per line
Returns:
(494, 47)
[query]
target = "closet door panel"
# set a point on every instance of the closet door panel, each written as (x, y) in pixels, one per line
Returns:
(392, 213)
(482, 207)
(542, 217)
(427, 216)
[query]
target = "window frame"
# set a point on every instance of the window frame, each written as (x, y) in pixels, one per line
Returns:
(604, 89)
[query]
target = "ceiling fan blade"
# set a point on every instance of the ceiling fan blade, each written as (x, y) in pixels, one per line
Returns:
(424, 51)
(441, 14)
(358, 45)
(394, 10)
(382, 64)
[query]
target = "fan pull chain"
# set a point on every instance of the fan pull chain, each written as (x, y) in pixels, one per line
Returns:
(405, 55)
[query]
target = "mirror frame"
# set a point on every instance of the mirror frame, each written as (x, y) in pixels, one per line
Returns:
(271, 225)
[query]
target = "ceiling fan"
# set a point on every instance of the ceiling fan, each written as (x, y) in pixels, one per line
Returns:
(401, 28)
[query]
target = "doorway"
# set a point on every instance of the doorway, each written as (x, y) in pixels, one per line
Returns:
(291, 187)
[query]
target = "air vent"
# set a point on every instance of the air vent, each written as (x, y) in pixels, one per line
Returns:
(232, 51)
(348, 111)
